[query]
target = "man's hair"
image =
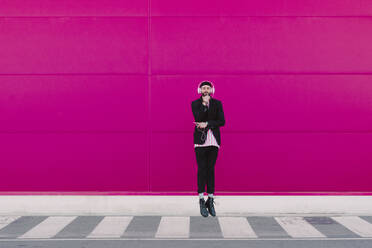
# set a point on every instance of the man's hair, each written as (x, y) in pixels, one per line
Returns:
(206, 83)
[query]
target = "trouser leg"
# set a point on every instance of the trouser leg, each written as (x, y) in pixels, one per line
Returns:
(201, 160)
(211, 161)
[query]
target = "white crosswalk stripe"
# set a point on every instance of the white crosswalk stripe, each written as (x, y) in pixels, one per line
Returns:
(6, 220)
(49, 227)
(111, 227)
(236, 227)
(355, 224)
(173, 227)
(297, 227)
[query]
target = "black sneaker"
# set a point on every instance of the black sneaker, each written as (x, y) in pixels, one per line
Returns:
(203, 209)
(210, 205)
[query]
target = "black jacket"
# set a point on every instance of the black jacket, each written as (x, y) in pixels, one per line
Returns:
(214, 115)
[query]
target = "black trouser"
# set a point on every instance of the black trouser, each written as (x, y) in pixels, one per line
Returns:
(206, 157)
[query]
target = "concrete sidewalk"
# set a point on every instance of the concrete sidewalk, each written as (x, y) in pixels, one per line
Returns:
(226, 205)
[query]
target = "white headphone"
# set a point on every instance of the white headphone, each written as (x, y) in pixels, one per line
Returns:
(199, 89)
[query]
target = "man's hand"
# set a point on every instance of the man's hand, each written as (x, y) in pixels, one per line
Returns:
(206, 99)
(201, 124)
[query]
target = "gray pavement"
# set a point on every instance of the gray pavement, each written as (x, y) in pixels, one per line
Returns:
(185, 231)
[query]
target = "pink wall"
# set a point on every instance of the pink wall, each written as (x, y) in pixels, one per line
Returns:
(96, 95)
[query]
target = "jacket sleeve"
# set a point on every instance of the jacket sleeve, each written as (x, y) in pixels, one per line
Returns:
(220, 118)
(199, 112)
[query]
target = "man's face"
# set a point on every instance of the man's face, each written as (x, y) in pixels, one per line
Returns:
(206, 90)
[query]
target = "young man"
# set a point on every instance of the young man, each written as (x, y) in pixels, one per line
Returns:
(209, 117)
